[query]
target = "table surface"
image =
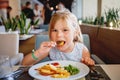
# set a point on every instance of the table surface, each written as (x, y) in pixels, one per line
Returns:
(112, 70)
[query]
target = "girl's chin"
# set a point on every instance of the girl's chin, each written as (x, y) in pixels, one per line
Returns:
(61, 48)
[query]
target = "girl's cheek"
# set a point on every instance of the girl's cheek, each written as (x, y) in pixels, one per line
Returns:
(53, 38)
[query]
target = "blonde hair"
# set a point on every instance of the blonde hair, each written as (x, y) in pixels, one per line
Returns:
(71, 21)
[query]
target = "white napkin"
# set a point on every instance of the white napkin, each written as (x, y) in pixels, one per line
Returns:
(15, 60)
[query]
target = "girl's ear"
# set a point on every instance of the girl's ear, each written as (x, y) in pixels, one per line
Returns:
(75, 34)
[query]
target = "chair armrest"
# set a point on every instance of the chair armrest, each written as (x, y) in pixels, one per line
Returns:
(97, 59)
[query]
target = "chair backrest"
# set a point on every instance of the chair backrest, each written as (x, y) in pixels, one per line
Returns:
(44, 27)
(41, 38)
(86, 41)
(9, 44)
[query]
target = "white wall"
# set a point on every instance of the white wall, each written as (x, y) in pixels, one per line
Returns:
(84, 8)
(16, 7)
(24, 1)
(3, 13)
(77, 8)
(106, 4)
(89, 8)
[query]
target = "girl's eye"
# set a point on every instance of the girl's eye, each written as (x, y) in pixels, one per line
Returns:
(54, 30)
(65, 30)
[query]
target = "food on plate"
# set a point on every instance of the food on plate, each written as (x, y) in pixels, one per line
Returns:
(53, 71)
(47, 69)
(56, 71)
(73, 70)
(60, 43)
(56, 64)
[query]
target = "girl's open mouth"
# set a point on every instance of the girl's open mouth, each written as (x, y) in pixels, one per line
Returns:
(60, 43)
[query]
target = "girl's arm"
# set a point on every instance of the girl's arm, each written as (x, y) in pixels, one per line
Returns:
(86, 57)
(40, 54)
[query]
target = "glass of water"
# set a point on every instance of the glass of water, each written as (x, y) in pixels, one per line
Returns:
(5, 66)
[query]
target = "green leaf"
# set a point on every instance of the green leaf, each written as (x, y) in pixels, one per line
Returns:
(36, 22)
(22, 24)
(28, 27)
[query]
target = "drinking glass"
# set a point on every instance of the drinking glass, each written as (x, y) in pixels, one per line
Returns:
(5, 66)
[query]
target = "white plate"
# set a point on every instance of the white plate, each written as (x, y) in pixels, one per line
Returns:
(84, 70)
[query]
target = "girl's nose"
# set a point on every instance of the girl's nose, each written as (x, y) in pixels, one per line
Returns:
(60, 33)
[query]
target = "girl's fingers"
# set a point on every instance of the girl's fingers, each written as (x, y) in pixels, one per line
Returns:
(53, 44)
(48, 44)
(87, 61)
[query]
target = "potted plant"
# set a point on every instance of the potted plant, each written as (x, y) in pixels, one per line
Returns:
(35, 23)
(87, 20)
(9, 24)
(99, 21)
(112, 15)
(23, 27)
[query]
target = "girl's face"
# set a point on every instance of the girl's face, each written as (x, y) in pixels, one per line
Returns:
(63, 33)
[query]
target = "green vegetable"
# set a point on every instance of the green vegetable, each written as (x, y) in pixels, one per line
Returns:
(73, 70)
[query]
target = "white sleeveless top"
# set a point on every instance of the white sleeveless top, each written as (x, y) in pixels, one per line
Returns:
(75, 55)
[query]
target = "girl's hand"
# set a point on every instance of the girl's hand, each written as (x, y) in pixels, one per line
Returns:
(88, 61)
(46, 46)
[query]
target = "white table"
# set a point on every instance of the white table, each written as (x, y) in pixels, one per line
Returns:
(112, 70)
(36, 31)
(25, 37)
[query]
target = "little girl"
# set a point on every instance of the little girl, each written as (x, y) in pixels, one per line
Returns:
(65, 42)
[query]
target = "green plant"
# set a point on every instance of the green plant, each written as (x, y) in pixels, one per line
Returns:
(22, 24)
(99, 21)
(88, 20)
(112, 15)
(35, 23)
(9, 24)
